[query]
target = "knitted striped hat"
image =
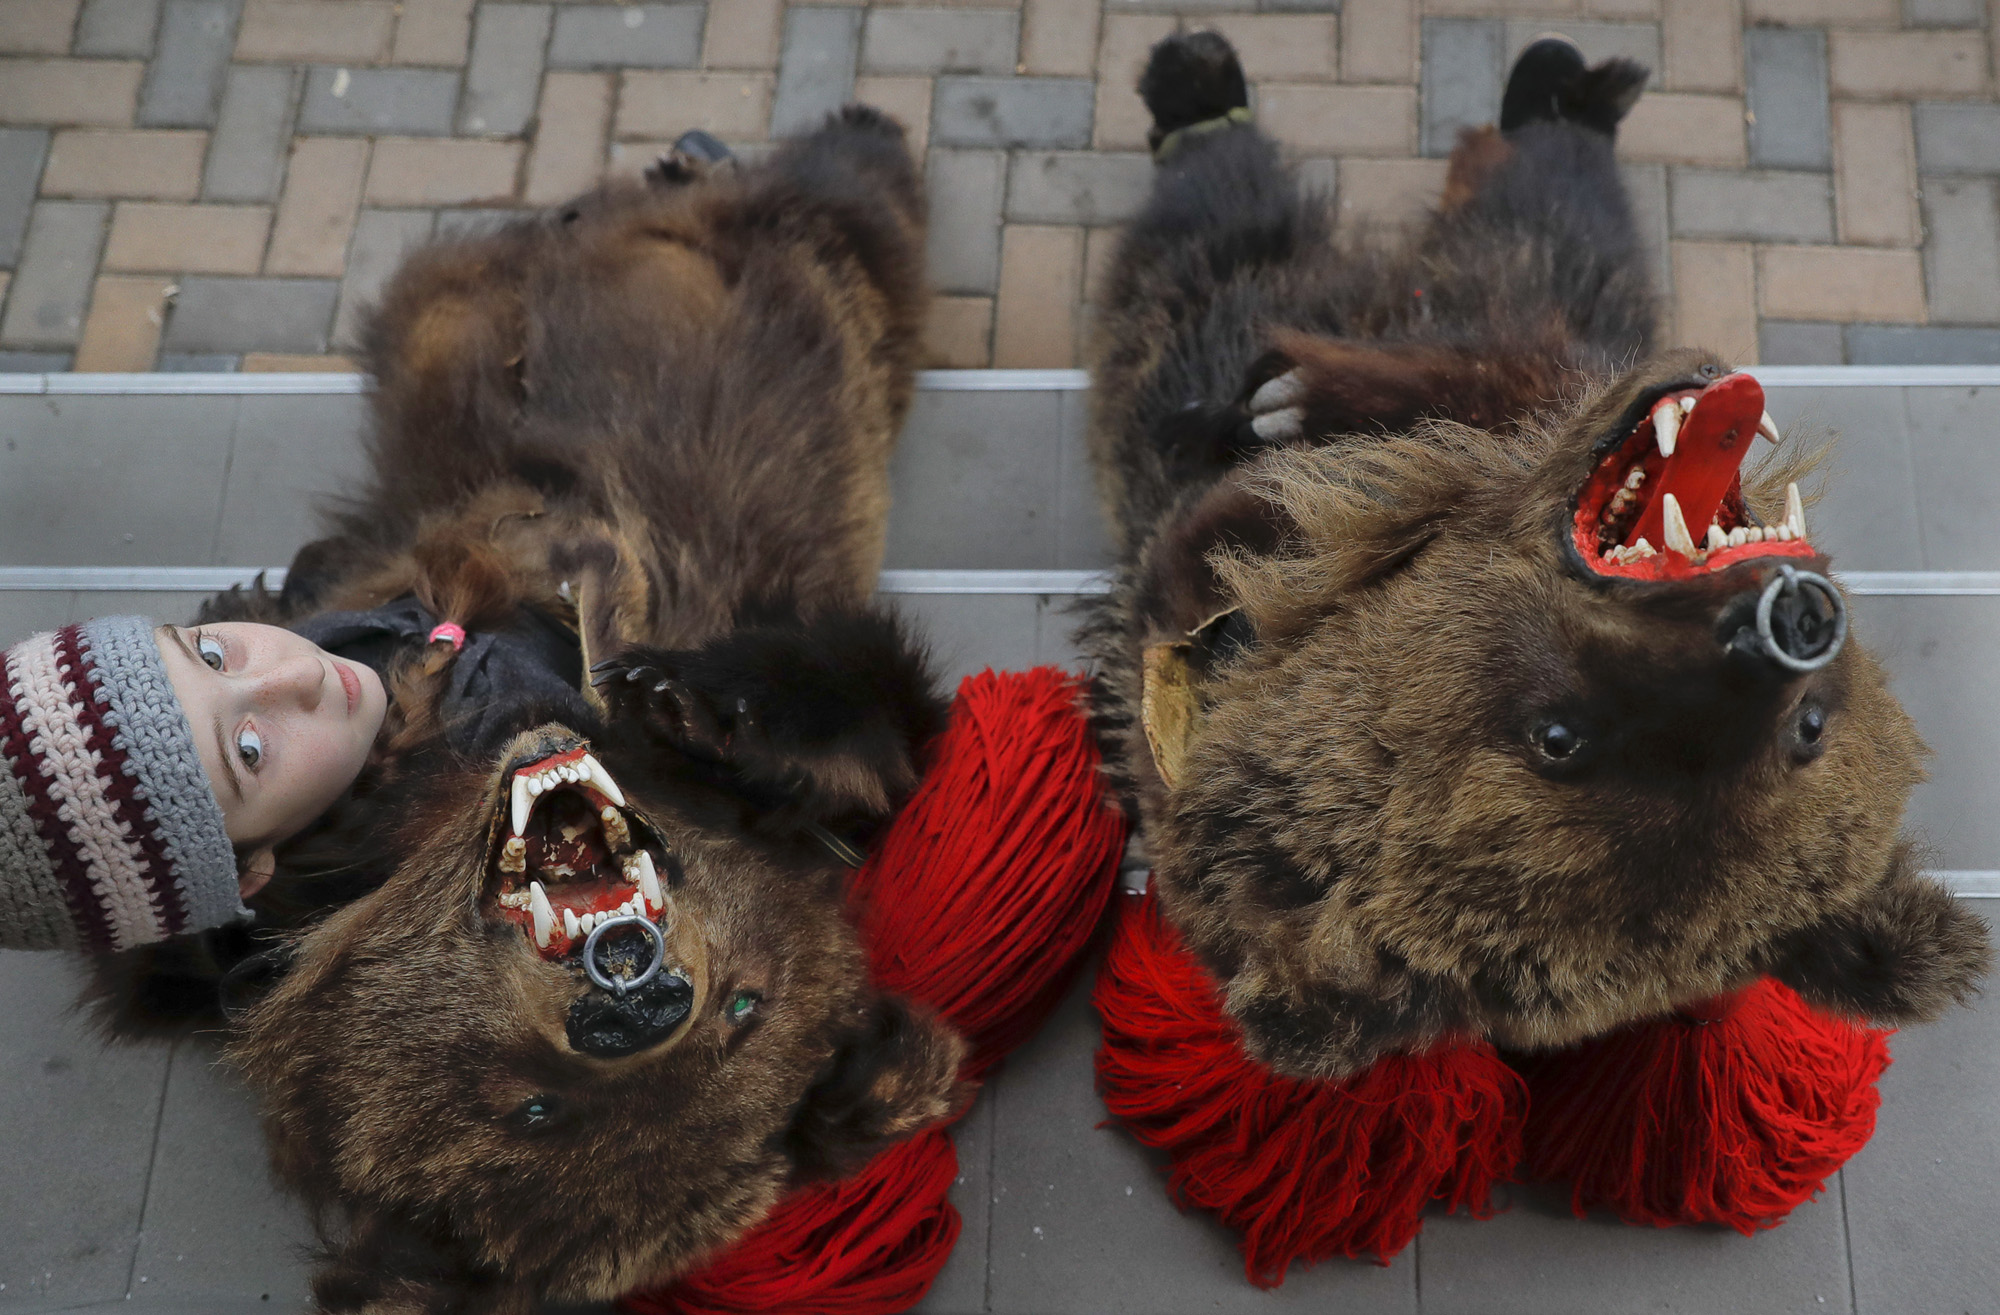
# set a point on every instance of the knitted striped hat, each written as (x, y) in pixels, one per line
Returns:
(110, 834)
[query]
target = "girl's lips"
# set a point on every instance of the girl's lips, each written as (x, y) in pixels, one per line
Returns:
(349, 682)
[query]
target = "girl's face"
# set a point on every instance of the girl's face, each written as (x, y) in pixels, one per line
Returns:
(283, 726)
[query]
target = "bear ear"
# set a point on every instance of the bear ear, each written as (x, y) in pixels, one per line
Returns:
(1355, 515)
(1906, 953)
(894, 1073)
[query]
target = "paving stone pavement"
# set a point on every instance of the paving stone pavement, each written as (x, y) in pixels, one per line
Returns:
(228, 182)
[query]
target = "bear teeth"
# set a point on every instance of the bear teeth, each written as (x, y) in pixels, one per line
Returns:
(545, 917)
(1666, 425)
(639, 870)
(533, 781)
(1676, 524)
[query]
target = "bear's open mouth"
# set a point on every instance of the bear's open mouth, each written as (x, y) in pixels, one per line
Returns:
(1666, 501)
(569, 860)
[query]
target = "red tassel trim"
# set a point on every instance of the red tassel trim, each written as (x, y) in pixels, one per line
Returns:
(988, 887)
(1304, 1170)
(978, 902)
(870, 1244)
(1734, 1120)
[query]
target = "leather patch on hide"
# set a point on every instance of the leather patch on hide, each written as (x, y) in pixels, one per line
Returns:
(1170, 708)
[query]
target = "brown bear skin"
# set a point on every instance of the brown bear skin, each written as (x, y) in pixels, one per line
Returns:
(678, 400)
(1363, 843)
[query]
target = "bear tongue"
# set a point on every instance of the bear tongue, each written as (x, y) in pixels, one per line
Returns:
(1714, 438)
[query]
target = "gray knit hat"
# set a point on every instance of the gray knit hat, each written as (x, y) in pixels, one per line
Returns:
(110, 834)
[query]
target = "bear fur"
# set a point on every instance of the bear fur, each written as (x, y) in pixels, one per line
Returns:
(665, 410)
(1331, 655)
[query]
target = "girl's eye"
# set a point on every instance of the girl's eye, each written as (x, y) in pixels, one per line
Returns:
(250, 747)
(210, 649)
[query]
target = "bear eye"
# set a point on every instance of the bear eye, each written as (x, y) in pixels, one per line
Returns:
(1557, 740)
(1563, 745)
(1808, 732)
(535, 1114)
(740, 1006)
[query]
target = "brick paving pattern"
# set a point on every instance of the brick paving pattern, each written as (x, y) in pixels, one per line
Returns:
(224, 184)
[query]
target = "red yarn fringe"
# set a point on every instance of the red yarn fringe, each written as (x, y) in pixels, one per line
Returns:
(1732, 1114)
(868, 1244)
(1302, 1169)
(978, 902)
(988, 887)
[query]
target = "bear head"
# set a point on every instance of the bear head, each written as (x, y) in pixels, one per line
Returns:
(580, 1039)
(1529, 735)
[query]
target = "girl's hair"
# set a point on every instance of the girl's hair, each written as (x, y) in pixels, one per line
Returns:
(466, 580)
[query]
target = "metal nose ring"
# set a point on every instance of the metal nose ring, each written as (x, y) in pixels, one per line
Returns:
(1792, 581)
(619, 986)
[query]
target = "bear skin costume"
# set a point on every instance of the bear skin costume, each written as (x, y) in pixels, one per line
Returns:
(1439, 721)
(663, 413)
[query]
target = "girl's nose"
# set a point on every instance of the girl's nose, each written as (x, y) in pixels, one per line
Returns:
(297, 682)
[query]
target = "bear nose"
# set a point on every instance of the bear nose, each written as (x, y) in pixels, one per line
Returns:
(1793, 624)
(638, 1002)
(610, 1026)
(1801, 619)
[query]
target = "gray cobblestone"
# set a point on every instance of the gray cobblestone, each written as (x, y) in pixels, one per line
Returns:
(117, 29)
(1463, 74)
(251, 315)
(183, 86)
(34, 362)
(22, 152)
(1800, 342)
(1902, 344)
(381, 239)
(408, 102)
(1078, 187)
(1771, 207)
(1943, 13)
(246, 157)
(941, 41)
(51, 286)
(815, 67)
(1962, 249)
(1953, 138)
(1048, 112)
(1598, 41)
(1786, 74)
(627, 36)
(962, 252)
(504, 78)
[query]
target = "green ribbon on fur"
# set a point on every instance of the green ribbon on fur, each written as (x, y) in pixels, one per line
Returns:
(1173, 141)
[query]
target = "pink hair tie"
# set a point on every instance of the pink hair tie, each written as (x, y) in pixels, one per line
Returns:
(450, 633)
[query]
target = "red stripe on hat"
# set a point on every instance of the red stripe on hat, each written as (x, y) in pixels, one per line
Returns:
(78, 890)
(119, 787)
